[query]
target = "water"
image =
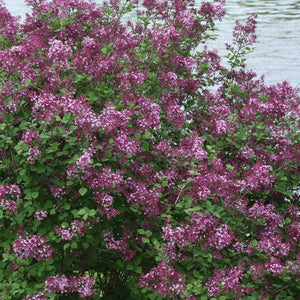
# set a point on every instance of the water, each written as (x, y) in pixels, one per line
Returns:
(277, 52)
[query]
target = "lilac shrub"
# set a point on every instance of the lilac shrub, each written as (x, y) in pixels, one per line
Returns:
(134, 166)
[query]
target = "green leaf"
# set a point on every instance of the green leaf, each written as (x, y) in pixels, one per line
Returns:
(27, 82)
(165, 183)
(288, 221)
(69, 182)
(130, 266)
(108, 154)
(34, 195)
(120, 263)
(209, 257)
(15, 285)
(82, 191)
(85, 245)
(82, 211)
(146, 146)
(92, 213)
(229, 167)
(74, 245)
(196, 274)
(145, 240)
(66, 246)
(147, 135)
(67, 206)
(138, 136)
(141, 231)
(148, 233)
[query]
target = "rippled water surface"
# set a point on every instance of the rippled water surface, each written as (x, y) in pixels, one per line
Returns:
(277, 53)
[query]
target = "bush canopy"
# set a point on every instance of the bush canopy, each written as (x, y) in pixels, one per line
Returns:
(136, 164)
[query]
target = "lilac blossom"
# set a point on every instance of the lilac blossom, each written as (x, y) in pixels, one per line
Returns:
(37, 296)
(61, 284)
(40, 215)
(59, 53)
(120, 246)
(227, 281)
(274, 266)
(164, 280)
(6, 193)
(76, 229)
(32, 246)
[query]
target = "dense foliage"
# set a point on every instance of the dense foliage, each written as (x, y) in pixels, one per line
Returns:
(134, 166)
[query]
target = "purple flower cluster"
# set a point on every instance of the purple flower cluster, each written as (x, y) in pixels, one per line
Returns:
(76, 229)
(259, 177)
(84, 161)
(274, 245)
(61, 284)
(274, 266)
(228, 281)
(59, 53)
(9, 205)
(120, 246)
(7, 193)
(106, 203)
(32, 246)
(266, 214)
(244, 34)
(57, 192)
(37, 296)
(220, 237)
(33, 152)
(40, 215)
(30, 136)
(203, 229)
(164, 280)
